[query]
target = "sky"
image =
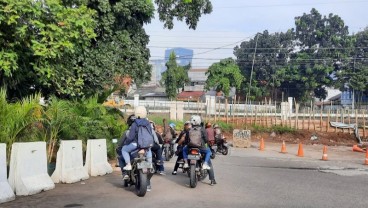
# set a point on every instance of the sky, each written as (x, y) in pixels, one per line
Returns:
(234, 21)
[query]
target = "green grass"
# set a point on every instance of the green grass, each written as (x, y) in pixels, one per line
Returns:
(276, 128)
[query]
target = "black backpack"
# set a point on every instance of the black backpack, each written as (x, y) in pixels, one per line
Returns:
(144, 136)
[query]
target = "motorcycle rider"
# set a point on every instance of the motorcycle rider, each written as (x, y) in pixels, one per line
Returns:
(181, 142)
(157, 149)
(210, 133)
(219, 137)
(204, 149)
(130, 121)
(131, 143)
(169, 133)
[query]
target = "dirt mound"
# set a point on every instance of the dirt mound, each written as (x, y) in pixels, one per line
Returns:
(304, 136)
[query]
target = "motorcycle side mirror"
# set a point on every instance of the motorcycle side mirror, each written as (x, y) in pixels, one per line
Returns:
(114, 141)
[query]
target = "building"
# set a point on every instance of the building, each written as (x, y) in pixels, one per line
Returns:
(184, 56)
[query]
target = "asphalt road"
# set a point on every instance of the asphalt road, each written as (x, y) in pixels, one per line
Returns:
(245, 179)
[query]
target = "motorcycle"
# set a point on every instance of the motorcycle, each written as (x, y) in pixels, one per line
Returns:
(141, 172)
(196, 172)
(168, 149)
(222, 147)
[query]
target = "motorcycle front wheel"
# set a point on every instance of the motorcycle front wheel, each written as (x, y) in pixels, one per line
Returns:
(141, 184)
(225, 150)
(193, 176)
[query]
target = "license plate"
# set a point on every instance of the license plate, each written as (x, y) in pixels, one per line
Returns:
(193, 157)
(144, 164)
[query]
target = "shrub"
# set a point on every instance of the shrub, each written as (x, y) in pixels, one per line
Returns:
(282, 129)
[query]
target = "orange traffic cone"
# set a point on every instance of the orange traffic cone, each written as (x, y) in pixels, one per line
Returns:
(366, 158)
(261, 145)
(300, 150)
(357, 149)
(324, 156)
(283, 147)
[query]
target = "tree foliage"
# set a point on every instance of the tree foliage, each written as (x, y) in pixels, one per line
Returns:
(36, 39)
(76, 48)
(269, 56)
(174, 77)
(303, 61)
(224, 75)
(188, 10)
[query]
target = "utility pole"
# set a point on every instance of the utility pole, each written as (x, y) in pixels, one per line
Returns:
(251, 72)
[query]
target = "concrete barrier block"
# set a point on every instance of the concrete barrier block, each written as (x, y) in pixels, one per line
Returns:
(69, 163)
(6, 193)
(28, 168)
(96, 158)
(241, 138)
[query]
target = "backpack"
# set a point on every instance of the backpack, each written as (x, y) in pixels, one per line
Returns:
(195, 137)
(144, 136)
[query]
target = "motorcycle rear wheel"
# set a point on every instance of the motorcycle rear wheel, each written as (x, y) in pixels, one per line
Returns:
(193, 176)
(141, 184)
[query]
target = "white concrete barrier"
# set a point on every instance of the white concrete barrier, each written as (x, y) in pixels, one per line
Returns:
(96, 158)
(28, 168)
(6, 193)
(69, 163)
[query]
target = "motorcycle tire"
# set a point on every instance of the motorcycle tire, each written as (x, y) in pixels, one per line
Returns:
(167, 154)
(203, 175)
(141, 184)
(126, 183)
(193, 177)
(225, 150)
(213, 154)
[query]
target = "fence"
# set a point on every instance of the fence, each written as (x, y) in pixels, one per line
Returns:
(267, 114)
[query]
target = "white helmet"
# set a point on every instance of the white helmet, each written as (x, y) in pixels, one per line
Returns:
(195, 120)
(140, 112)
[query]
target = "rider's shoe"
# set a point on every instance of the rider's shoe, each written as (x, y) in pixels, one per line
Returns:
(185, 165)
(213, 182)
(206, 166)
(174, 173)
(149, 188)
(127, 167)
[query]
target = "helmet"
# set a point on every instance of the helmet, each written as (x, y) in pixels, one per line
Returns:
(215, 126)
(140, 112)
(172, 125)
(195, 120)
(131, 119)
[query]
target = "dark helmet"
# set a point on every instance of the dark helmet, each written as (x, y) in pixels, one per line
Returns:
(131, 119)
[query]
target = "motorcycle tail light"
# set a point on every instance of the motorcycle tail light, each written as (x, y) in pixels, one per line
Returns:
(194, 152)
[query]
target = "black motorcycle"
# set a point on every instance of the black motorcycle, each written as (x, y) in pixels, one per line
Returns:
(196, 172)
(140, 173)
(168, 149)
(222, 147)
